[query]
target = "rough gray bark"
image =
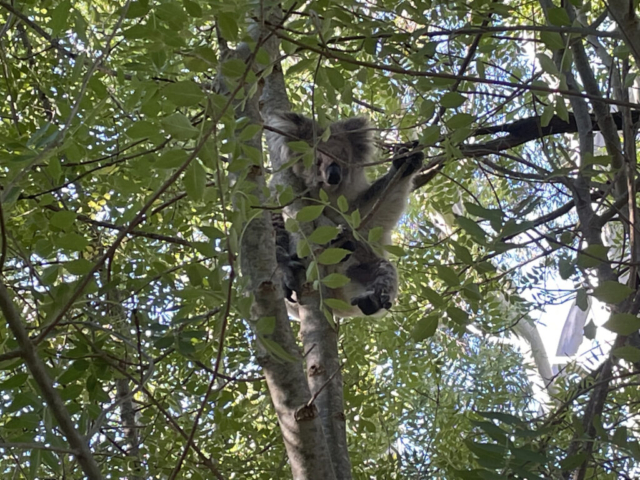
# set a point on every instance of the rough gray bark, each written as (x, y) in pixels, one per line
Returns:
(320, 342)
(39, 373)
(300, 425)
(319, 339)
(290, 393)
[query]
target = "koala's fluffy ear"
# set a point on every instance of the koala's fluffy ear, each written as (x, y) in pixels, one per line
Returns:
(293, 124)
(358, 132)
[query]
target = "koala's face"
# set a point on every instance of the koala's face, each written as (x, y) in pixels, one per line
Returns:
(337, 161)
(333, 166)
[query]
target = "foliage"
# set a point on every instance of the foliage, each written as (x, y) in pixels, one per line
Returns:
(125, 198)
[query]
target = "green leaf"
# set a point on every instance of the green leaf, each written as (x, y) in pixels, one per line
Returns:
(547, 64)
(592, 256)
(590, 330)
(452, 100)
(331, 256)
(502, 417)
(472, 292)
(335, 78)
(81, 266)
(343, 205)
(14, 381)
(50, 275)
(430, 135)
(582, 299)
(449, 275)
(460, 120)
(472, 228)
(72, 242)
(611, 292)
(552, 40)
(26, 421)
(558, 16)
(179, 126)
(433, 297)
(530, 456)
(324, 234)
(172, 158)
(302, 248)
(336, 304)
(54, 168)
(195, 181)
(63, 220)
(249, 132)
(192, 8)
(309, 213)
(70, 375)
(299, 146)
(566, 268)
(486, 450)
(479, 211)
(561, 109)
(335, 280)
(266, 325)
(71, 391)
(164, 342)
(277, 350)
(623, 323)
(183, 94)
(628, 353)
(228, 26)
(573, 461)
(233, 68)
(547, 115)
(142, 129)
(375, 234)
(427, 107)
(355, 219)
(458, 315)
(425, 328)
(60, 17)
(395, 250)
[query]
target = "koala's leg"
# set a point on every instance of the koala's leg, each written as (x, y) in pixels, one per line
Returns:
(290, 266)
(379, 280)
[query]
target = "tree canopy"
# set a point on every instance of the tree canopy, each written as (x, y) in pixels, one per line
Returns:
(144, 331)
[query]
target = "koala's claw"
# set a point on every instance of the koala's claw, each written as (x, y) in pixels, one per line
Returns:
(371, 302)
(413, 162)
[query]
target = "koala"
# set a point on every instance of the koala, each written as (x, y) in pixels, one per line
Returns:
(339, 170)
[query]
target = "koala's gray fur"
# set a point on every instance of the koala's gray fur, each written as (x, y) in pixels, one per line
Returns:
(339, 171)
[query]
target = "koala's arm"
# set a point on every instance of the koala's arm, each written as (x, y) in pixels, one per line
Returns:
(395, 197)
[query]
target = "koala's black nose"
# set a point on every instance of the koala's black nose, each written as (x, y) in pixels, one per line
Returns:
(334, 175)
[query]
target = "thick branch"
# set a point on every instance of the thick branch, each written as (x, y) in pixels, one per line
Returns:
(301, 429)
(623, 13)
(519, 133)
(42, 379)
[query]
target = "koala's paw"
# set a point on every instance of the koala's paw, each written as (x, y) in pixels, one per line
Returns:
(413, 162)
(372, 302)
